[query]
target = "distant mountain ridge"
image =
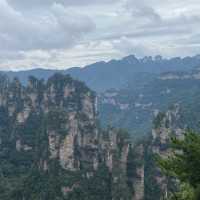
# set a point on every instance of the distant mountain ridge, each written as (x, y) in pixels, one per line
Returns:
(115, 74)
(51, 147)
(131, 90)
(135, 106)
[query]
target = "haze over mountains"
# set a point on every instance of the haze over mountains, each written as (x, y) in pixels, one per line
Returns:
(99, 100)
(49, 130)
(132, 90)
(116, 74)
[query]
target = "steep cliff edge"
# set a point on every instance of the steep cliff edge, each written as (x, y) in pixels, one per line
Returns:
(51, 147)
(166, 126)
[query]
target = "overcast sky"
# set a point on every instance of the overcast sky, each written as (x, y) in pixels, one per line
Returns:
(66, 33)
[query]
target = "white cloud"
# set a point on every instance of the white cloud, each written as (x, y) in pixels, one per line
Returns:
(55, 28)
(64, 33)
(35, 4)
(142, 11)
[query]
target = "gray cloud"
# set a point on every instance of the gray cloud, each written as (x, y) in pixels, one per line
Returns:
(55, 28)
(32, 4)
(64, 33)
(142, 10)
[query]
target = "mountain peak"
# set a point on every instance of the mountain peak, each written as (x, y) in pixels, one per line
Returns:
(131, 59)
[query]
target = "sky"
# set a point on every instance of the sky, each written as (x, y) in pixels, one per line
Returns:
(59, 34)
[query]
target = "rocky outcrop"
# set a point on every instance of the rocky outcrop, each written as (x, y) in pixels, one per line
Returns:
(50, 128)
(195, 74)
(68, 107)
(166, 126)
(53, 126)
(138, 183)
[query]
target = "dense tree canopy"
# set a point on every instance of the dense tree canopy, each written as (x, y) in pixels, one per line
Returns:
(183, 165)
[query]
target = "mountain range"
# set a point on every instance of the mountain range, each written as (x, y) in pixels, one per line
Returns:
(115, 74)
(131, 91)
(52, 145)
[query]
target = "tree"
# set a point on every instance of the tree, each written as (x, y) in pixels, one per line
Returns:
(183, 165)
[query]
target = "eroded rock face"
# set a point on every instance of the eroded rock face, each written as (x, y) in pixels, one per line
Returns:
(54, 144)
(53, 126)
(139, 179)
(169, 126)
(116, 149)
(66, 152)
(23, 116)
(60, 98)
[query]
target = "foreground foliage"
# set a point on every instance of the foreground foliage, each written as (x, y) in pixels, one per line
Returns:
(183, 165)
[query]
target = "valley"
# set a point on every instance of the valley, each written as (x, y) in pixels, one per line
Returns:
(61, 140)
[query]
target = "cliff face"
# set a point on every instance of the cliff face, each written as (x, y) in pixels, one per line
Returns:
(63, 108)
(166, 126)
(51, 147)
(138, 181)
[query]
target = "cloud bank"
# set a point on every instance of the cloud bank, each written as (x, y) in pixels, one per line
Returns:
(65, 33)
